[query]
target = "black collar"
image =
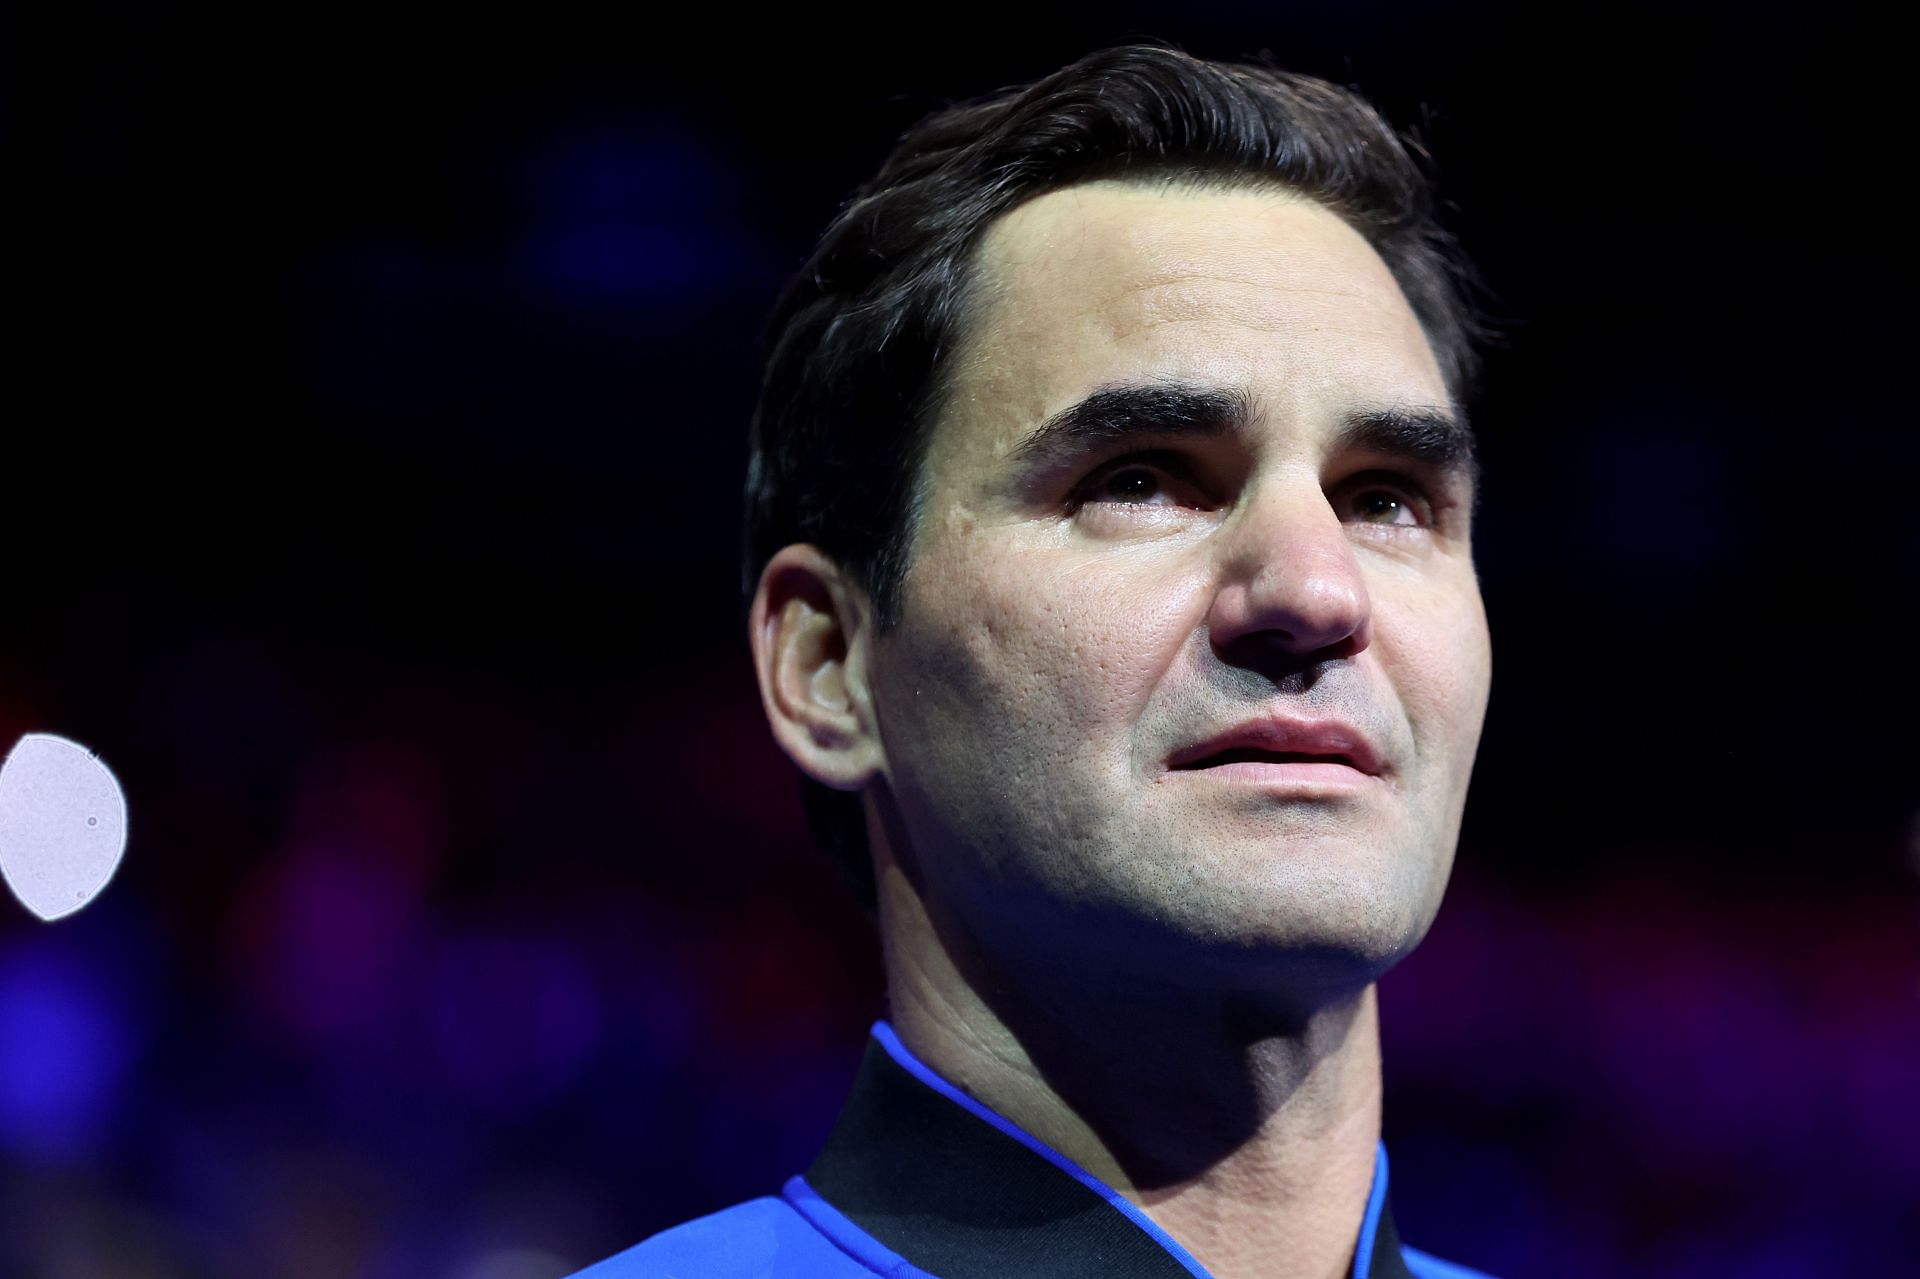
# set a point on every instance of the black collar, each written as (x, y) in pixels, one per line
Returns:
(961, 1199)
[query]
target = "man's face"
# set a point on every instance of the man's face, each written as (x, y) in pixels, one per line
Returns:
(1100, 616)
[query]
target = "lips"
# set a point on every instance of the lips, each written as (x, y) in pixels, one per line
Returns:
(1282, 741)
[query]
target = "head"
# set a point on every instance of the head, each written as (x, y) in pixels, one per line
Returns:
(1116, 415)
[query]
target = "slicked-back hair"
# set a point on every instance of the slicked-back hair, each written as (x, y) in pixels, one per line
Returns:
(859, 348)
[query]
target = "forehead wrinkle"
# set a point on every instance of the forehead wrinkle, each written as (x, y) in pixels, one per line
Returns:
(1255, 304)
(1037, 316)
(1052, 249)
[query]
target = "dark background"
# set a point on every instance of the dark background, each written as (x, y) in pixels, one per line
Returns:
(375, 420)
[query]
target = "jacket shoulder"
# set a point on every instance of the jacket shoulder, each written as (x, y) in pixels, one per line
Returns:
(760, 1239)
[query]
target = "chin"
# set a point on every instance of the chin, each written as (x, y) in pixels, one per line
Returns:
(1342, 947)
(1318, 936)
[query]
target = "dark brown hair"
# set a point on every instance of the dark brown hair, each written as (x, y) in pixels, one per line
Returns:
(859, 346)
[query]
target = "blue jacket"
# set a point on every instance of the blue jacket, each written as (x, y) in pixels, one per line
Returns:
(920, 1181)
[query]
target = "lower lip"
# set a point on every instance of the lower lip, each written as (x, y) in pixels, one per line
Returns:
(1293, 775)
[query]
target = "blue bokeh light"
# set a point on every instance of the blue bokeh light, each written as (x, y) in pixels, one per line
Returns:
(65, 1049)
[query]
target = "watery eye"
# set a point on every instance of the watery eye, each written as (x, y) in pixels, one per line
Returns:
(1384, 506)
(1135, 484)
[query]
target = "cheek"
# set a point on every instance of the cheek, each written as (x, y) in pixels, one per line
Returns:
(1045, 644)
(1437, 648)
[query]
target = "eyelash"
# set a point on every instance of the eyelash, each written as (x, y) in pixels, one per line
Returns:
(1426, 507)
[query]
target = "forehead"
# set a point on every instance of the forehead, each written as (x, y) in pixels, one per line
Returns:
(1113, 282)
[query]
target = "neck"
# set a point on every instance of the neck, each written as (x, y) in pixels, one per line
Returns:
(1246, 1132)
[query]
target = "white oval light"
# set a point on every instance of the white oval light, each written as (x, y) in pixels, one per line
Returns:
(63, 824)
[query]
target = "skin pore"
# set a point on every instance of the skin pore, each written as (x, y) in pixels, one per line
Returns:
(1197, 469)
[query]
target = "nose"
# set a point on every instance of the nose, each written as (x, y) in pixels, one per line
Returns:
(1289, 582)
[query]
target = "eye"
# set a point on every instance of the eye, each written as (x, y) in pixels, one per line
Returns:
(1134, 485)
(1139, 481)
(1396, 502)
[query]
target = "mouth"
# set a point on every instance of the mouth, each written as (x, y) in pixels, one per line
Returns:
(1296, 773)
(1257, 755)
(1283, 751)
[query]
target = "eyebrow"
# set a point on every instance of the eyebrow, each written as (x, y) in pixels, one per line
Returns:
(1434, 437)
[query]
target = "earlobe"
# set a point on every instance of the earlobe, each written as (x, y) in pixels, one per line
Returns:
(806, 626)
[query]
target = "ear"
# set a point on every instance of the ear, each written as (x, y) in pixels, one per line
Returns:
(810, 631)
